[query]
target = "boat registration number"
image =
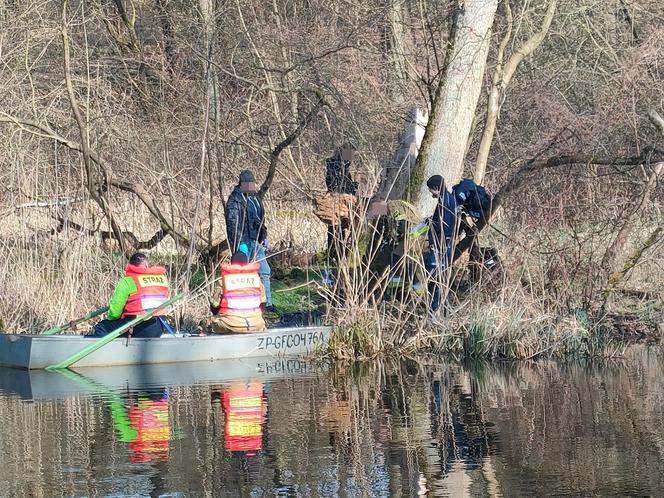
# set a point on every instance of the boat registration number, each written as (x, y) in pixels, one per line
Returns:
(286, 341)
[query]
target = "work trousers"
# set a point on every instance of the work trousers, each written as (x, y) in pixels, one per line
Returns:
(437, 266)
(257, 253)
(148, 328)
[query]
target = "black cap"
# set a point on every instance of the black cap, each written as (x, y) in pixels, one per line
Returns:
(247, 177)
(239, 258)
(436, 182)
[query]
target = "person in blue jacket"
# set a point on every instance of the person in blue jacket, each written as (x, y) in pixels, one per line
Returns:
(442, 229)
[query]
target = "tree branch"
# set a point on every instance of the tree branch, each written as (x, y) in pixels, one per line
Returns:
(274, 155)
(44, 131)
(90, 171)
(136, 244)
(533, 165)
(501, 79)
(612, 252)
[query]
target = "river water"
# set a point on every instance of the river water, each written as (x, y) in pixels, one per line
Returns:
(296, 428)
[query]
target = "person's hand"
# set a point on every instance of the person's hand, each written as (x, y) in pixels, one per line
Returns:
(266, 244)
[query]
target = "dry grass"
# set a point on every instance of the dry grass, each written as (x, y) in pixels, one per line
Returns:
(527, 312)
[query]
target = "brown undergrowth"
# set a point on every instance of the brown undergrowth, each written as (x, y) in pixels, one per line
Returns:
(537, 303)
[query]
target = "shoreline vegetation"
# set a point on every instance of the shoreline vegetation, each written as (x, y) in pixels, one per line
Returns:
(507, 315)
(124, 126)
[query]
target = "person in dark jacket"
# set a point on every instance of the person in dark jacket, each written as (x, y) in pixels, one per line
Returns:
(339, 181)
(337, 172)
(245, 224)
(442, 228)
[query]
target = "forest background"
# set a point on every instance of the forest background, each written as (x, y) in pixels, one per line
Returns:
(125, 124)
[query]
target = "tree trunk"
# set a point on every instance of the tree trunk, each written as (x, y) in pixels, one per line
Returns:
(453, 110)
(396, 51)
(502, 77)
(397, 173)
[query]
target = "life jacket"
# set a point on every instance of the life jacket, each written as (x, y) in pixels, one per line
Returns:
(243, 427)
(149, 418)
(242, 288)
(151, 290)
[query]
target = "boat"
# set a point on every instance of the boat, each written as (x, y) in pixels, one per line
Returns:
(63, 384)
(39, 351)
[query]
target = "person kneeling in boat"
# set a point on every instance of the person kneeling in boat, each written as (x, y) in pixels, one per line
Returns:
(142, 289)
(237, 306)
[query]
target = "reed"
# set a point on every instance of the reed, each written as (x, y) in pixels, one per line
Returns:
(521, 312)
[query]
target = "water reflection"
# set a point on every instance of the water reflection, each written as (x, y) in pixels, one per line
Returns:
(243, 406)
(143, 423)
(301, 429)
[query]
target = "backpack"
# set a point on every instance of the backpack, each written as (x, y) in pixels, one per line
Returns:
(473, 198)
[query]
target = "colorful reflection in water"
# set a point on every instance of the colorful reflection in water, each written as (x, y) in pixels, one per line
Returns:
(285, 427)
(142, 421)
(244, 409)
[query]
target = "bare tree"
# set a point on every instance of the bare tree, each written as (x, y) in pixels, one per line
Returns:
(444, 146)
(502, 76)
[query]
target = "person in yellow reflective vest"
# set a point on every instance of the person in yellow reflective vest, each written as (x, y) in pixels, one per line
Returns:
(237, 305)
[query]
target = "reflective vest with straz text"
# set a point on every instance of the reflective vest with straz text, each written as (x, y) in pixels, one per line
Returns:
(242, 288)
(151, 290)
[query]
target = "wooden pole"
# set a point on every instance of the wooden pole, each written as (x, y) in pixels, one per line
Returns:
(59, 328)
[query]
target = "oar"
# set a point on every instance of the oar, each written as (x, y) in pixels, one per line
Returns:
(60, 328)
(109, 337)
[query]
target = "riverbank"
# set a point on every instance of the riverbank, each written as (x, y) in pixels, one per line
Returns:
(505, 326)
(501, 324)
(521, 312)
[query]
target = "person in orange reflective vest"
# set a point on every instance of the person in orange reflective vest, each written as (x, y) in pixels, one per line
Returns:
(237, 305)
(142, 289)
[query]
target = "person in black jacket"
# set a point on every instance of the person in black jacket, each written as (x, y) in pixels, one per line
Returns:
(339, 181)
(337, 172)
(245, 224)
(442, 229)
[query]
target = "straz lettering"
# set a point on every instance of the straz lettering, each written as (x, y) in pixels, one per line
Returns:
(235, 282)
(287, 341)
(152, 280)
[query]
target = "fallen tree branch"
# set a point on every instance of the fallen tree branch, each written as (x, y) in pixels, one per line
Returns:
(56, 202)
(616, 277)
(45, 131)
(619, 242)
(136, 244)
